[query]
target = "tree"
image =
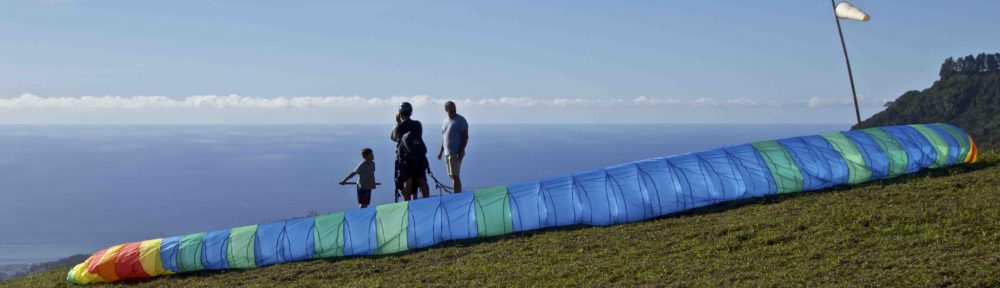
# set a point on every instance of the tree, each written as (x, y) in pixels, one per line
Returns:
(969, 65)
(948, 68)
(971, 102)
(993, 63)
(981, 65)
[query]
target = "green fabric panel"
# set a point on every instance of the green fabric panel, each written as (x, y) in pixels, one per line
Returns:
(328, 235)
(787, 176)
(856, 166)
(940, 146)
(189, 253)
(963, 141)
(240, 254)
(69, 277)
(898, 161)
(493, 212)
(390, 224)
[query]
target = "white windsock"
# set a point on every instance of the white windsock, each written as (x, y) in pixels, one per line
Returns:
(847, 11)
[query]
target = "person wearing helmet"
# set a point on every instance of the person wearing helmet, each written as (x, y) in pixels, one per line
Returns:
(411, 154)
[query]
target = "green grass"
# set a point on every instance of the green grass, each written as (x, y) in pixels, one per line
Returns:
(934, 228)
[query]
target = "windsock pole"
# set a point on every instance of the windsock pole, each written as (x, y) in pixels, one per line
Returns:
(850, 75)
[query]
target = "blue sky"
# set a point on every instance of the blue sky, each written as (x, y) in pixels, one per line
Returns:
(505, 61)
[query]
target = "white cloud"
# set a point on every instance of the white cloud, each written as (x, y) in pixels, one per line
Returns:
(819, 102)
(228, 109)
(59, 1)
(237, 101)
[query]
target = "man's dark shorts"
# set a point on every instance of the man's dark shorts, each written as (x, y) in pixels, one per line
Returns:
(415, 167)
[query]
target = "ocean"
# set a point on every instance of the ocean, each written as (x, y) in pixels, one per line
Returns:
(75, 189)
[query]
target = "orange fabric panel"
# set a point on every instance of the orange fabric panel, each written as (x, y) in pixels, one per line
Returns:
(128, 264)
(106, 266)
(972, 152)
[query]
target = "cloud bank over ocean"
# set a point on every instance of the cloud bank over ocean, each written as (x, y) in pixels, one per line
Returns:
(237, 101)
(235, 109)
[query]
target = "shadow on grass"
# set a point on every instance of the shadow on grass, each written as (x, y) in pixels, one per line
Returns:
(989, 160)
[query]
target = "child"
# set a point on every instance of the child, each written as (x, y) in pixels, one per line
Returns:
(366, 177)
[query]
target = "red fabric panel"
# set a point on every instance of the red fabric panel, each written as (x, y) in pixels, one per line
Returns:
(128, 265)
(94, 260)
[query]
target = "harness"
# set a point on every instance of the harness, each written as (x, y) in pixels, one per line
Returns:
(441, 187)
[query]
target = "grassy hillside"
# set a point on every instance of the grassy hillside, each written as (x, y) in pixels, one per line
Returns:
(936, 228)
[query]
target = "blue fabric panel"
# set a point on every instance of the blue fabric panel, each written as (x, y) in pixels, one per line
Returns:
(663, 187)
(751, 166)
(214, 250)
(954, 147)
(599, 205)
(925, 146)
(298, 242)
(424, 228)
(563, 206)
(874, 157)
(918, 150)
(696, 186)
(821, 165)
(265, 248)
(839, 173)
(359, 232)
(631, 193)
(168, 253)
(526, 206)
(459, 217)
(682, 189)
(809, 164)
(723, 174)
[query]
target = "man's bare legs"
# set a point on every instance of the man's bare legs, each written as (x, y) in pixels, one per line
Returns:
(408, 190)
(423, 187)
(409, 194)
(456, 182)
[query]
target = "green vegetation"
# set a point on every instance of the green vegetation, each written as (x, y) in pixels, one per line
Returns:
(967, 95)
(933, 228)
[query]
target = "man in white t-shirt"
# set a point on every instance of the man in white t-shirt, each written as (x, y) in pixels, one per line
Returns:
(455, 136)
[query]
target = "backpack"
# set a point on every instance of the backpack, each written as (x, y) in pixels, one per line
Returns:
(411, 142)
(412, 145)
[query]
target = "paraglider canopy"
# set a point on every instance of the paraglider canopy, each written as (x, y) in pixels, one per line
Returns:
(845, 10)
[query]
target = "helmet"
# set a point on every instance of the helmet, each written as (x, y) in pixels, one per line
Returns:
(405, 108)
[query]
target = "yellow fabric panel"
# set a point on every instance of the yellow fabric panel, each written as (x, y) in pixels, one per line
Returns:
(76, 275)
(92, 277)
(106, 266)
(149, 257)
(81, 275)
